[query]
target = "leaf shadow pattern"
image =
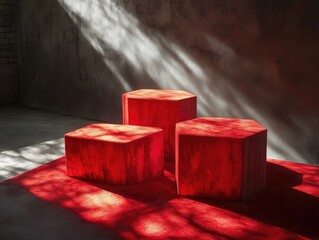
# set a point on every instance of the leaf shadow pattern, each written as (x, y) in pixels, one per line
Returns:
(152, 210)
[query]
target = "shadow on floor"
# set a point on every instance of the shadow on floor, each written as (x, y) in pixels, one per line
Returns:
(25, 216)
(286, 209)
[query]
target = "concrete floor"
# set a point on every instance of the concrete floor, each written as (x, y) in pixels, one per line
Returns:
(29, 138)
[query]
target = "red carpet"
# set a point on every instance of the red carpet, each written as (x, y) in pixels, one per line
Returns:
(287, 209)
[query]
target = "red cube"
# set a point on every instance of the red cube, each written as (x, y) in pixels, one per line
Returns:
(220, 158)
(159, 108)
(116, 154)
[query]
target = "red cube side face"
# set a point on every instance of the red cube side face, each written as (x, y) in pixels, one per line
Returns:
(254, 177)
(152, 113)
(209, 167)
(96, 160)
(145, 158)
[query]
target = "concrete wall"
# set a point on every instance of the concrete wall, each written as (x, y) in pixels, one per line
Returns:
(9, 88)
(250, 59)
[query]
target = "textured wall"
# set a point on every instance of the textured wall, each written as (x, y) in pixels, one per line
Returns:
(249, 59)
(9, 89)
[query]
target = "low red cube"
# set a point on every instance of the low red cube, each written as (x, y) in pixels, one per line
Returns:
(159, 108)
(220, 158)
(116, 154)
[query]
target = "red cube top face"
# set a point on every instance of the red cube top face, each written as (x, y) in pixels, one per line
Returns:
(112, 132)
(157, 94)
(220, 127)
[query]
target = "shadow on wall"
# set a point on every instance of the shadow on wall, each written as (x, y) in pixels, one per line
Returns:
(240, 60)
(60, 71)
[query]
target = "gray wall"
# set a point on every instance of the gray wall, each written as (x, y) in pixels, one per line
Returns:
(249, 59)
(9, 88)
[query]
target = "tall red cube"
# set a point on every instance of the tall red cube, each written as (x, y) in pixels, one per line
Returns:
(159, 108)
(220, 158)
(115, 154)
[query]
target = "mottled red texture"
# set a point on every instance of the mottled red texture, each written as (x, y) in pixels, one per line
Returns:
(111, 153)
(288, 208)
(159, 108)
(220, 158)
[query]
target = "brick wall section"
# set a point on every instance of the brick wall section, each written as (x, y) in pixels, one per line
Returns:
(9, 83)
(8, 48)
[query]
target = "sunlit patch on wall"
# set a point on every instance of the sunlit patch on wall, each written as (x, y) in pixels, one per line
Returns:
(159, 61)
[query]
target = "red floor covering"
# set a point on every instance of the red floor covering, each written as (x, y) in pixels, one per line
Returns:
(287, 209)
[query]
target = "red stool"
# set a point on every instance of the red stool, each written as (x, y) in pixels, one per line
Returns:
(159, 108)
(220, 158)
(118, 154)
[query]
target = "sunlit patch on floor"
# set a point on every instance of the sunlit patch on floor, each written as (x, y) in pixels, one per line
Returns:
(152, 210)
